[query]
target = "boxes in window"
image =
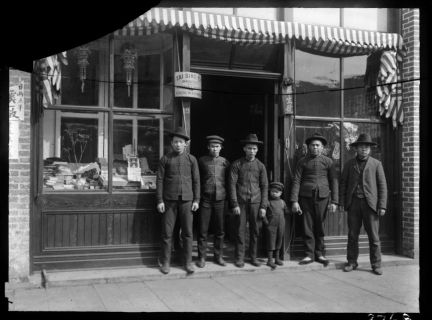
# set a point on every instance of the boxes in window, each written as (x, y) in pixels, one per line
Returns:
(119, 181)
(148, 181)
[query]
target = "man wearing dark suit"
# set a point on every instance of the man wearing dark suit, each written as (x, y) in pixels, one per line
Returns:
(214, 170)
(315, 181)
(363, 192)
(177, 191)
(248, 187)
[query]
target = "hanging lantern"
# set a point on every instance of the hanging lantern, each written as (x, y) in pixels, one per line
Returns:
(128, 55)
(82, 53)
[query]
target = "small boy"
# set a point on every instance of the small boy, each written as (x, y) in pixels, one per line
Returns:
(275, 223)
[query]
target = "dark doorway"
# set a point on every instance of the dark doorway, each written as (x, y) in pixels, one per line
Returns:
(231, 107)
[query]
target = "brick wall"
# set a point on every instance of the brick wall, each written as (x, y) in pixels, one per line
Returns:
(19, 191)
(411, 134)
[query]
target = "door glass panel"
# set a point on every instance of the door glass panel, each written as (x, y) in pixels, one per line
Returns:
(209, 52)
(73, 92)
(139, 143)
(313, 76)
(330, 130)
(359, 102)
(255, 57)
(74, 150)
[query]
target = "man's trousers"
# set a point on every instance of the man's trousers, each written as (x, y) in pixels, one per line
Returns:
(314, 214)
(211, 209)
(250, 210)
(360, 212)
(172, 208)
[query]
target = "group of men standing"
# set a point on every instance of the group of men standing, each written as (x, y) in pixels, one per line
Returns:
(185, 184)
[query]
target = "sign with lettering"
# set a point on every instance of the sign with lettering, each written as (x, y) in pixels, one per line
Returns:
(16, 101)
(187, 85)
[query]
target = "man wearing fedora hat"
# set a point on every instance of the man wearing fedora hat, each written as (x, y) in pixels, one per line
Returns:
(177, 191)
(248, 187)
(315, 185)
(363, 193)
(214, 170)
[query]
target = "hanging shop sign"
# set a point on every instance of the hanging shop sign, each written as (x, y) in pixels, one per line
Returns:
(188, 85)
(16, 101)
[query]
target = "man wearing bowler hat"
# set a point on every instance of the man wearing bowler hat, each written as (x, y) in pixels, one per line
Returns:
(214, 171)
(248, 187)
(363, 193)
(315, 185)
(177, 192)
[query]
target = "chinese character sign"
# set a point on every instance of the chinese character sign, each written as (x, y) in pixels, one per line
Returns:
(16, 101)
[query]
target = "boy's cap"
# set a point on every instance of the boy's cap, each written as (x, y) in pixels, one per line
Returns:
(277, 185)
(215, 139)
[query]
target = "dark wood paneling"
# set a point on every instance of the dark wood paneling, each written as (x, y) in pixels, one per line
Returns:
(103, 229)
(50, 231)
(95, 229)
(58, 237)
(87, 229)
(80, 234)
(110, 228)
(65, 231)
(123, 229)
(116, 227)
(73, 224)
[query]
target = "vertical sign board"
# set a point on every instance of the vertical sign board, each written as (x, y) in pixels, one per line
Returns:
(188, 85)
(16, 113)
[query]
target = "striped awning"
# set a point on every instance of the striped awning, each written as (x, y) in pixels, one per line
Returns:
(325, 40)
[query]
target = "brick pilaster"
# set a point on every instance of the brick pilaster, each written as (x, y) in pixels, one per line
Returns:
(19, 190)
(411, 134)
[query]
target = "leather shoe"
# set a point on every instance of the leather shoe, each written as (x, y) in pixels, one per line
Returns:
(271, 264)
(200, 263)
(239, 264)
(189, 267)
(350, 267)
(165, 268)
(279, 262)
(377, 271)
(305, 262)
(220, 261)
(325, 262)
(256, 263)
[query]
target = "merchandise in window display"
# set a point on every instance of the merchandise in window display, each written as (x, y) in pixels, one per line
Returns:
(82, 53)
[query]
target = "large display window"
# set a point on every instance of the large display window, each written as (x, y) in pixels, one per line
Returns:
(80, 144)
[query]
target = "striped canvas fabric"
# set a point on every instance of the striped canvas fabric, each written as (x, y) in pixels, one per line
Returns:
(321, 40)
(389, 88)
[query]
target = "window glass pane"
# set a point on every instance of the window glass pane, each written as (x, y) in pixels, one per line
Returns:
(139, 143)
(260, 13)
(358, 102)
(351, 131)
(209, 52)
(255, 57)
(320, 16)
(330, 130)
(141, 86)
(72, 142)
(365, 19)
(72, 90)
(313, 75)
(214, 10)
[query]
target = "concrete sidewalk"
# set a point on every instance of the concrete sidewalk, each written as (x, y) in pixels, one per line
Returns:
(291, 288)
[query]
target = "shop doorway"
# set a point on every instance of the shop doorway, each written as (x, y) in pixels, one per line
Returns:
(233, 107)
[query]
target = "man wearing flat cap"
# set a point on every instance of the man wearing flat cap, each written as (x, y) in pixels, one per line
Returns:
(315, 185)
(177, 192)
(363, 193)
(214, 171)
(248, 187)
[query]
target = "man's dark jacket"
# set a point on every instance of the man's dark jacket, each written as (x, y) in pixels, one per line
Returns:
(314, 173)
(178, 174)
(374, 183)
(214, 174)
(248, 180)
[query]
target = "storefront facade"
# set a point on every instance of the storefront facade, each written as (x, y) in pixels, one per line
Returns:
(114, 97)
